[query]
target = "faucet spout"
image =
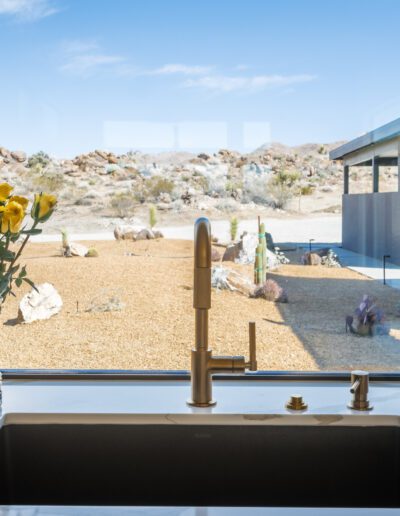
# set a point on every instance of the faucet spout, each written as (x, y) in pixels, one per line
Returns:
(203, 363)
(202, 243)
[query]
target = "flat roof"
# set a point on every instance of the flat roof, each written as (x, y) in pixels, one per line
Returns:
(385, 132)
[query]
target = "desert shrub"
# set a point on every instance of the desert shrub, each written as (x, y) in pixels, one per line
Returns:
(321, 150)
(202, 183)
(271, 291)
(40, 158)
(152, 216)
(47, 179)
(306, 190)
(227, 205)
(231, 186)
(92, 253)
(234, 228)
(123, 203)
(282, 187)
(157, 185)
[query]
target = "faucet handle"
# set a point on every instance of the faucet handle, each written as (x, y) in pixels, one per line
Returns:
(252, 363)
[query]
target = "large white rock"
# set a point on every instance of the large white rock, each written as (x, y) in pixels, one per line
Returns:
(78, 249)
(40, 305)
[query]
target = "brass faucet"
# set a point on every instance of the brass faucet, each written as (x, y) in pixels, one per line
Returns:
(204, 365)
(359, 390)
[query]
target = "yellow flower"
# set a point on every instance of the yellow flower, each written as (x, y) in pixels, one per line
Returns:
(43, 206)
(5, 190)
(12, 216)
(23, 201)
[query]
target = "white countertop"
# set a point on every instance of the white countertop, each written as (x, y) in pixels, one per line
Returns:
(164, 402)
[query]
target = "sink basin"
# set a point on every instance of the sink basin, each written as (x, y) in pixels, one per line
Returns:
(200, 464)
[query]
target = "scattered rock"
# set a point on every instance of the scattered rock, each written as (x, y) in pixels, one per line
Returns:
(311, 259)
(78, 249)
(106, 303)
(145, 234)
(232, 252)
(157, 234)
(164, 197)
(126, 232)
(223, 278)
(39, 304)
(18, 156)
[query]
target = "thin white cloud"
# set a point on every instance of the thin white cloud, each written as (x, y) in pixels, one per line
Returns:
(28, 10)
(79, 46)
(87, 64)
(170, 69)
(225, 83)
(85, 58)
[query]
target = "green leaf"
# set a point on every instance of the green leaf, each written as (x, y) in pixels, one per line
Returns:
(14, 270)
(33, 231)
(14, 237)
(22, 272)
(4, 285)
(7, 255)
(30, 282)
(18, 282)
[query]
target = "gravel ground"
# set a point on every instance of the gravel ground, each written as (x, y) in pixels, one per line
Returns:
(155, 328)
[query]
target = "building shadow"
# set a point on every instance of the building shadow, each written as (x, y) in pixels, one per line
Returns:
(316, 314)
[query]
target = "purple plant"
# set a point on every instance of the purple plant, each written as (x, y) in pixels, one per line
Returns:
(368, 318)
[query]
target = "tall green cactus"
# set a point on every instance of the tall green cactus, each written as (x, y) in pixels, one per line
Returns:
(260, 262)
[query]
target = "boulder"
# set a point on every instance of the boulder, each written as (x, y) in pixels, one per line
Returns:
(78, 249)
(311, 259)
(232, 252)
(157, 234)
(126, 232)
(164, 197)
(18, 156)
(39, 304)
(145, 234)
(112, 159)
(101, 154)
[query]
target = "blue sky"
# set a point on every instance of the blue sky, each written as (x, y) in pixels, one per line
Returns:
(180, 74)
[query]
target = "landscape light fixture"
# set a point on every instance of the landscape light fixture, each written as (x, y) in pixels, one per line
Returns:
(311, 240)
(384, 267)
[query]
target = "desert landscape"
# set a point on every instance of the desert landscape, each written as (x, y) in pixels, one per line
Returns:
(99, 190)
(129, 306)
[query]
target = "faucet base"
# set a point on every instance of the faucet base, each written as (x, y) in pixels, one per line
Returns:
(196, 404)
(360, 406)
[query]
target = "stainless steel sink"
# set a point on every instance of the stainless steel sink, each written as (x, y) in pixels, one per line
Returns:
(200, 464)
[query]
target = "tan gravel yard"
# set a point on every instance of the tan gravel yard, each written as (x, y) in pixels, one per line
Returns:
(155, 328)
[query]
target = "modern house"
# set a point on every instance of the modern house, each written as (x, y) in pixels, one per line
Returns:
(371, 221)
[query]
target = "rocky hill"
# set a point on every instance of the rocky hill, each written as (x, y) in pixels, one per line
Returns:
(99, 188)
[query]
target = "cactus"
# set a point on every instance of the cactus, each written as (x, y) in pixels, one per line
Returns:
(152, 216)
(234, 228)
(64, 236)
(260, 262)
